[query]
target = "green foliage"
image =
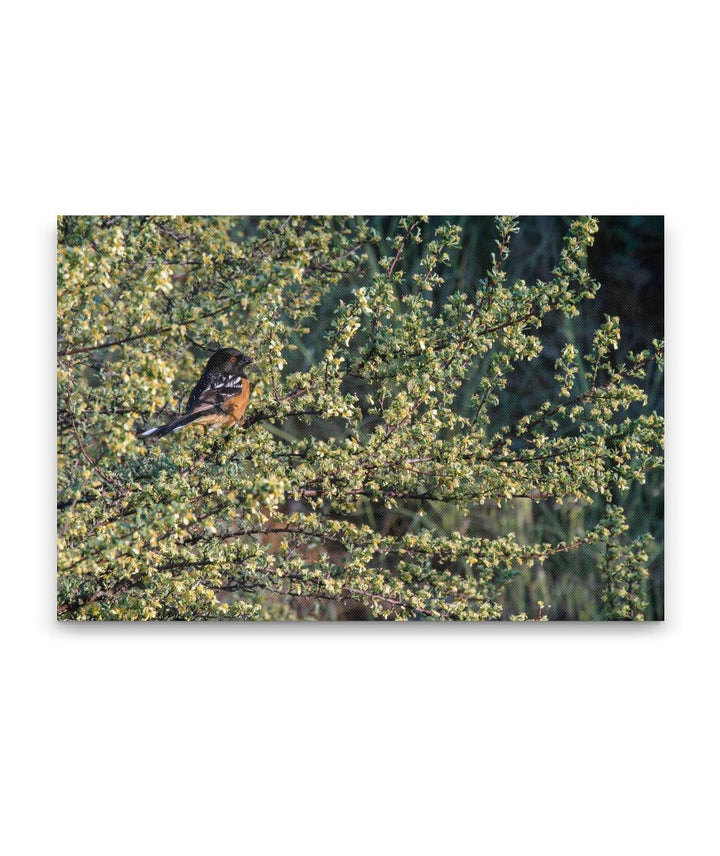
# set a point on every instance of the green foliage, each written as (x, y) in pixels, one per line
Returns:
(374, 406)
(624, 570)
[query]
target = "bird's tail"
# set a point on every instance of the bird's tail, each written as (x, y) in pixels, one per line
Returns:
(174, 425)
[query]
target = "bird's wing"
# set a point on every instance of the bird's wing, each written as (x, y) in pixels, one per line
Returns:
(211, 396)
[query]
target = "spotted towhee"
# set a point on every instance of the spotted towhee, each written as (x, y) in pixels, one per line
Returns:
(219, 398)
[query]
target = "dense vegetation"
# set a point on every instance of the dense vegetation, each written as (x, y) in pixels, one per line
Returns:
(424, 440)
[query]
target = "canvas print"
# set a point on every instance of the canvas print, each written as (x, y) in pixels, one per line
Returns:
(329, 418)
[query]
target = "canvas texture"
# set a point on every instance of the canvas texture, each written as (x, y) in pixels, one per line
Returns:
(360, 418)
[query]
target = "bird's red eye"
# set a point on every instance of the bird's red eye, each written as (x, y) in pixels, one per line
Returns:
(233, 359)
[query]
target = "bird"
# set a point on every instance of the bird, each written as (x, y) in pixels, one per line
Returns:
(218, 399)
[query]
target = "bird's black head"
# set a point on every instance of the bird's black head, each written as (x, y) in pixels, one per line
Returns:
(229, 360)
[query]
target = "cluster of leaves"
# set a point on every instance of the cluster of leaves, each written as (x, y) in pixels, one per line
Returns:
(361, 404)
(624, 570)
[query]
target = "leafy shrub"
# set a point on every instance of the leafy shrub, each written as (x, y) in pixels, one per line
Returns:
(355, 485)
